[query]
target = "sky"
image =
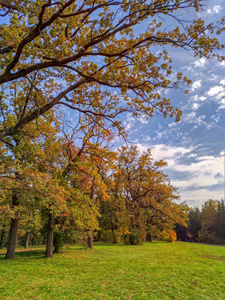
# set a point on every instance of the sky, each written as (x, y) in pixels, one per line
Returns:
(194, 147)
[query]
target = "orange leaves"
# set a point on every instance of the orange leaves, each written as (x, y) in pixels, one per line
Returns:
(169, 236)
(147, 192)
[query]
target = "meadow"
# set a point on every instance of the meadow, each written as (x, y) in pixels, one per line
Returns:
(155, 270)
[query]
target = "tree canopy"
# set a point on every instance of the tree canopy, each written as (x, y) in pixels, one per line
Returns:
(74, 53)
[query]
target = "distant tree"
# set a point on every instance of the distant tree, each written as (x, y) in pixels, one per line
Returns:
(181, 232)
(220, 223)
(194, 224)
(208, 221)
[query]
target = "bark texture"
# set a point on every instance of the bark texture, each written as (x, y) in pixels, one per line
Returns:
(49, 242)
(10, 254)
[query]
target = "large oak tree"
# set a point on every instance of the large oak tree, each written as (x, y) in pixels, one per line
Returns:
(74, 53)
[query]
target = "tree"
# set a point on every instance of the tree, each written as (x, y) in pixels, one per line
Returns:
(194, 224)
(20, 174)
(73, 53)
(208, 221)
(220, 223)
(147, 195)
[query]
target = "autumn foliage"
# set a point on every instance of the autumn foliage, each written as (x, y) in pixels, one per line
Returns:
(89, 61)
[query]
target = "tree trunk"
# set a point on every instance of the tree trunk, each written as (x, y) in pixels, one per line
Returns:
(114, 231)
(13, 229)
(91, 235)
(57, 241)
(90, 240)
(2, 237)
(148, 237)
(49, 242)
(27, 240)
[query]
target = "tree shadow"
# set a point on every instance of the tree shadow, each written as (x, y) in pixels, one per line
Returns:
(34, 254)
(31, 253)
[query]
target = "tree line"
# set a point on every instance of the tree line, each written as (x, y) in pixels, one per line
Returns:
(205, 225)
(89, 192)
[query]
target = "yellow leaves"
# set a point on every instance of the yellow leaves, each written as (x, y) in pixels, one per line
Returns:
(179, 75)
(179, 113)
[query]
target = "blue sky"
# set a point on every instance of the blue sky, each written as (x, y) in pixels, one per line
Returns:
(193, 147)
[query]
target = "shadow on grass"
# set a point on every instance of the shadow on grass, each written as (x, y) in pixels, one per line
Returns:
(40, 253)
(34, 254)
(31, 254)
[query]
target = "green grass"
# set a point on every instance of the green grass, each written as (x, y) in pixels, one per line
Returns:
(152, 271)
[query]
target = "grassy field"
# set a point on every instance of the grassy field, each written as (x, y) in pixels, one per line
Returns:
(152, 271)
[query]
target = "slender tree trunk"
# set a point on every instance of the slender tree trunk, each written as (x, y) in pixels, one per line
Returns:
(91, 234)
(13, 229)
(114, 239)
(99, 236)
(2, 237)
(27, 241)
(49, 242)
(114, 232)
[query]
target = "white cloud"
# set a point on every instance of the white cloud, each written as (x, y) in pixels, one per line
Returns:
(215, 10)
(220, 95)
(195, 180)
(215, 118)
(222, 105)
(174, 124)
(197, 98)
(129, 123)
(169, 153)
(197, 84)
(192, 118)
(195, 106)
(215, 90)
(222, 82)
(204, 173)
(202, 98)
(200, 63)
(213, 77)
(143, 120)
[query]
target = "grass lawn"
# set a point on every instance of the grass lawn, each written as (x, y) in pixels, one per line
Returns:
(152, 271)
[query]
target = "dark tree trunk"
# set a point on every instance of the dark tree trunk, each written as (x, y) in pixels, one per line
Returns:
(90, 240)
(56, 247)
(49, 242)
(114, 231)
(91, 235)
(98, 238)
(13, 229)
(56, 250)
(2, 237)
(57, 240)
(148, 237)
(27, 241)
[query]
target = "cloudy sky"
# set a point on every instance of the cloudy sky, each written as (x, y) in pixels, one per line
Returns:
(193, 147)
